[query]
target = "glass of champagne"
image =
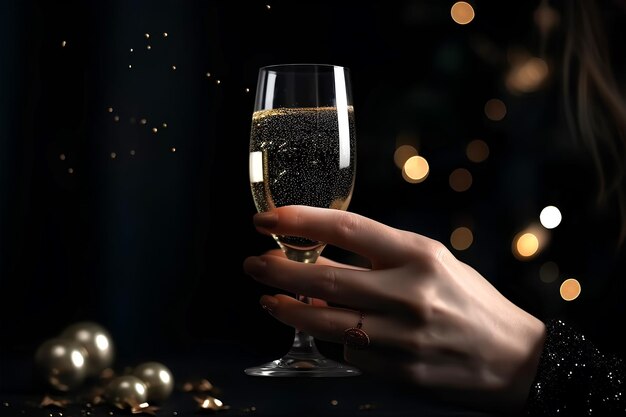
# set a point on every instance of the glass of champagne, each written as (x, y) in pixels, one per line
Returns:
(302, 151)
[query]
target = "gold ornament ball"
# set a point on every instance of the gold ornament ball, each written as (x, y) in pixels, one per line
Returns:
(96, 341)
(158, 378)
(126, 391)
(62, 363)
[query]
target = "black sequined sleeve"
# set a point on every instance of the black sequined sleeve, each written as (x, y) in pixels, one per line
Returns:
(576, 379)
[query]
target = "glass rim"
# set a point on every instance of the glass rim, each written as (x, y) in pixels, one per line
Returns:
(303, 64)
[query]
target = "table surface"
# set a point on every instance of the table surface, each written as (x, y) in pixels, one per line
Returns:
(223, 365)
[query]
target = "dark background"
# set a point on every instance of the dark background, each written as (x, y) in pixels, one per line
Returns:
(150, 245)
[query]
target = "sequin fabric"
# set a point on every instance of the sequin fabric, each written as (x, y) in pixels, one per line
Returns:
(576, 379)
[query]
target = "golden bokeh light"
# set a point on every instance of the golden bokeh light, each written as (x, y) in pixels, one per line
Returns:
(62, 157)
(477, 151)
(462, 12)
(570, 289)
(527, 245)
(113, 155)
(527, 76)
(549, 272)
(495, 109)
(460, 180)
(530, 241)
(461, 238)
(402, 154)
(415, 169)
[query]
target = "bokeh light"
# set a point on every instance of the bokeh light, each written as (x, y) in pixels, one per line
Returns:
(462, 12)
(402, 154)
(570, 289)
(549, 272)
(477, 151)
(530, 241)
(527, 76)
(495, 109)
(526, 245)
(415, 169)
(461, 238)
(550, 217)
(546, 18)
(460, 180)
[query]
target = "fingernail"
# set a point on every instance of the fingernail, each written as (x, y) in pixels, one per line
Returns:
(254, 265)
(268, 303)
(266, 219)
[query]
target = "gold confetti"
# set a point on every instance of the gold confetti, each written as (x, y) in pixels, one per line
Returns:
(210, 403)
(144, 408)
(201, 385)
(49, 401)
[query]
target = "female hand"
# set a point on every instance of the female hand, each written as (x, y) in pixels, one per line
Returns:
(432, 320)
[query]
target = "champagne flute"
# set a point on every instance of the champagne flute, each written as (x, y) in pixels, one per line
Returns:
(302, 151)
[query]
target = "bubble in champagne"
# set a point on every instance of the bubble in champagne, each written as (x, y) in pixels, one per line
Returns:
(298, 156)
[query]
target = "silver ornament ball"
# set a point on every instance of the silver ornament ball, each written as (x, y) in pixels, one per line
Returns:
(158, 378)
(96, 341)
(125, 391)
(62, 363)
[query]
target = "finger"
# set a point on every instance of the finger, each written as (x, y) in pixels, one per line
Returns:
(350, 231)
(320, 261)
(364, 290)
(329, 323)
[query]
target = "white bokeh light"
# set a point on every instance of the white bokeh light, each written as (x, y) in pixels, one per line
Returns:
(550, 217)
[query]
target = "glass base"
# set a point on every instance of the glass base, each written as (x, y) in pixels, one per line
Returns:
(291, 366)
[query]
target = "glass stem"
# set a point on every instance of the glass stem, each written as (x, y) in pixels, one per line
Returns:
(303, 346)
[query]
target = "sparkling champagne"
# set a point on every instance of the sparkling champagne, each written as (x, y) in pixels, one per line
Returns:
(302, 156)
